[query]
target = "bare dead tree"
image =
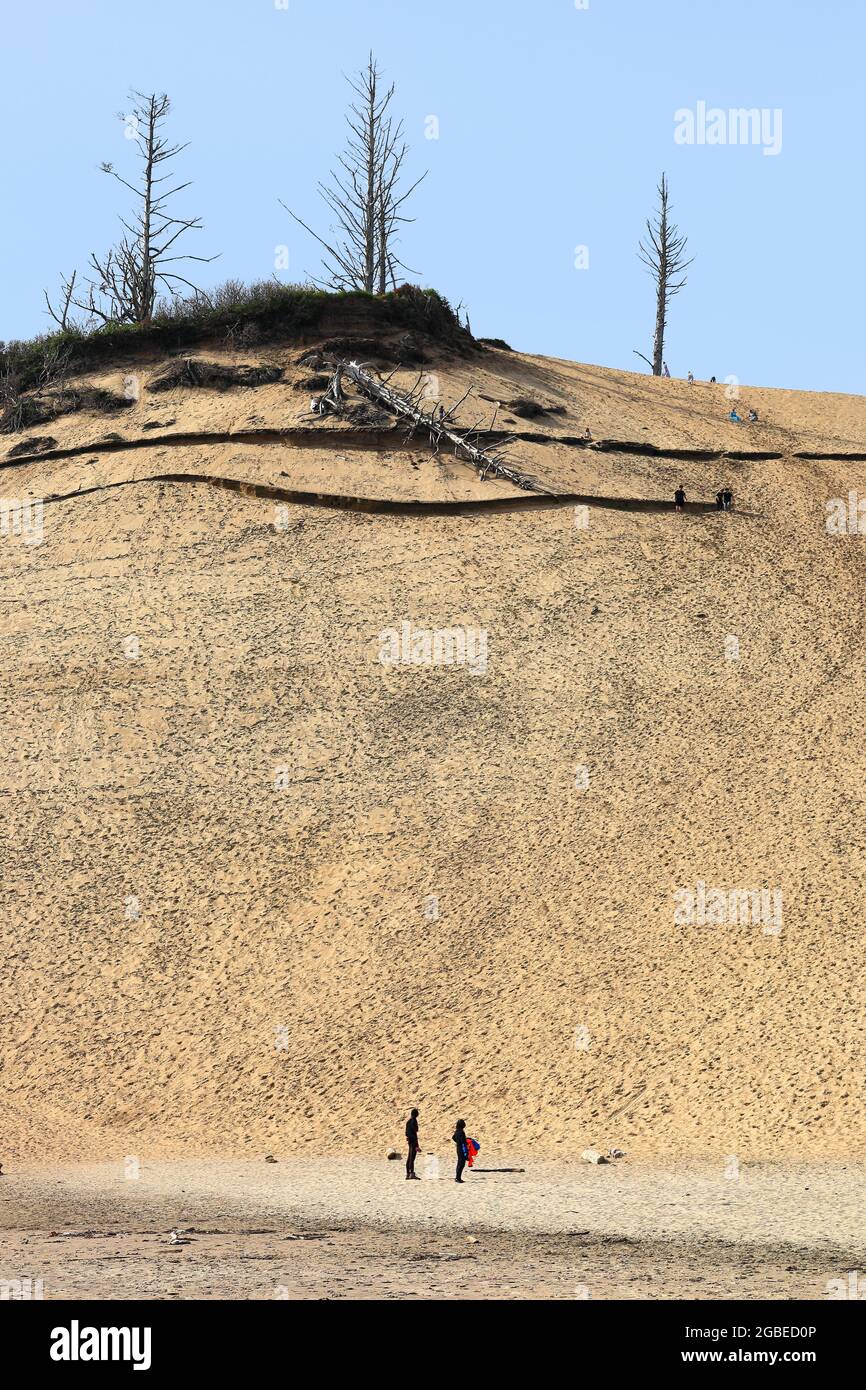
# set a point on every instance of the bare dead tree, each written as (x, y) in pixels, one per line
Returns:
(365, 196)
(62, 314)
(126, 282)
(664, 256)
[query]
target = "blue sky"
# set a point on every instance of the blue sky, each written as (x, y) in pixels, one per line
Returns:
(555, 123)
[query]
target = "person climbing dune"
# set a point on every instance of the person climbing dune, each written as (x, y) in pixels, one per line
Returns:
(679, 498)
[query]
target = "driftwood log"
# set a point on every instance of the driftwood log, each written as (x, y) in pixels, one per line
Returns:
(437, 423)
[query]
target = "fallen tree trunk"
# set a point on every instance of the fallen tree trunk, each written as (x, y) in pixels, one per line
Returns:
(439, 424)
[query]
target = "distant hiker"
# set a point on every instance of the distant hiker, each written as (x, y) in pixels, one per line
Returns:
(720, 501)
(679, 498)
(413, 1145)
(727, 499)
(737, 419)
(712, 378)
(462, 1146)
(666, 370)
(587, 434)
(691, 378)
(753, 415)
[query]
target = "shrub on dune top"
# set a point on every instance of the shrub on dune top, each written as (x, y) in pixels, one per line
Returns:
(238, 312)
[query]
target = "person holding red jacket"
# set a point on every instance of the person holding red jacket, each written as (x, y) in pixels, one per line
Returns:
(462, 1145)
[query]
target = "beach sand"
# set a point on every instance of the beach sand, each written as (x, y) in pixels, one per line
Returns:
(354, 1228)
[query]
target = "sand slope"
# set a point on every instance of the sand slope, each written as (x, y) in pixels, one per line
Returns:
(217, 853)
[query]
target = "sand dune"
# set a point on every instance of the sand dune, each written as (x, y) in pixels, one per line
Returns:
(263, 891)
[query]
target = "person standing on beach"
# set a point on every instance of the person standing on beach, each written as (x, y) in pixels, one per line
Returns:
(412, 1142)
(679, 498)
(459, 1137)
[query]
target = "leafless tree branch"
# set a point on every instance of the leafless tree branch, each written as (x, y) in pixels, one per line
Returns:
(123, 285)
(365, 198)
(663, 254)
